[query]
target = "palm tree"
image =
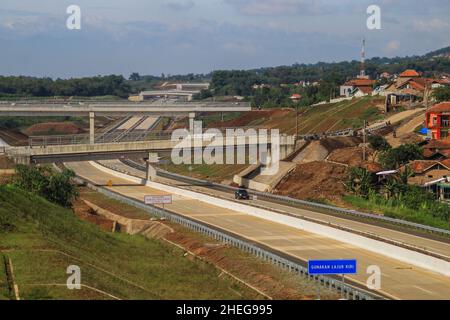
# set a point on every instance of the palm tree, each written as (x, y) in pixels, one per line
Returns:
(360, 181)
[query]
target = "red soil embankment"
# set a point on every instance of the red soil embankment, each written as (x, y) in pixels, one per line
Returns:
(50, 128)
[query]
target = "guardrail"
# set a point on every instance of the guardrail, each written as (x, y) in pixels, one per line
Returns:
(302, 203)
(43, 141)
(109, 137)
(343, 133)
(266, 254)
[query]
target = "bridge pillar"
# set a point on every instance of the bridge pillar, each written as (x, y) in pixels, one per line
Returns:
(151, 171)
(91, 127)
(191, 122)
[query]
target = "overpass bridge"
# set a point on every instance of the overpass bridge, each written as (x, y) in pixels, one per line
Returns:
(73, 152)
(117, 109)
(188, 94)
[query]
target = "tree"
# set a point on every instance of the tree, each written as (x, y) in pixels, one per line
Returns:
(405, 174)
(360, 181)
(441, 94)
(134, 77)
(394, 158)
(55, 186)
(378, 144)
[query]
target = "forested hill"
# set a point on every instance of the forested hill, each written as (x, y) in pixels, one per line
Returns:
(22, 86)
(226, 82)
(239, 82)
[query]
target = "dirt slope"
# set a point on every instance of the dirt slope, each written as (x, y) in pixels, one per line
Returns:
(314, 181)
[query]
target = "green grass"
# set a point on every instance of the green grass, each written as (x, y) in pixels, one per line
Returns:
(4, 288)
(43, 239)
(217, 117)
(396, 212)
(338, 116)
(214, 172)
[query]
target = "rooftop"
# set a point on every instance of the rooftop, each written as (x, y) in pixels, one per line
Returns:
(360, 82)
(409, 73)
(441, 107)
(420, 166)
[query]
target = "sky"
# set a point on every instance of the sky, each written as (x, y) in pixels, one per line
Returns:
(199, 36)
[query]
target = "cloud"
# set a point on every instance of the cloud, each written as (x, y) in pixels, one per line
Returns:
(431, 25)
(180, 6)
(392, 46)
(279, 7)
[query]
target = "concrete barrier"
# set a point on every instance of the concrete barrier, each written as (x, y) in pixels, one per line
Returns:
(415, 258)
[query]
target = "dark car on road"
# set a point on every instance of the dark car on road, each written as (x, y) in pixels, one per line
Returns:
(242, 194)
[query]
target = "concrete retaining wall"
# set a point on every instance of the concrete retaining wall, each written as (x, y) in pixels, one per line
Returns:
(389, 250)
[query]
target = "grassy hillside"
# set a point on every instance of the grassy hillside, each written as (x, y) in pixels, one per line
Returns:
(340, 116)
(42, 240)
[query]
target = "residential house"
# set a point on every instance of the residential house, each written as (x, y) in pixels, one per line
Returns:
(357, 88)
(296, 97)
(427, 171)
(438, 121)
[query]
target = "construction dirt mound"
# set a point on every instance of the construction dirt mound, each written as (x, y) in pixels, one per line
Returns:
(317, 181)
(319, 150)
(53, 128)
(350, 156)
(313, 152)
(332, 144)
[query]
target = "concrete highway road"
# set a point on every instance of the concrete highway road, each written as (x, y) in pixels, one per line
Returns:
(399, 280)
(437, 247)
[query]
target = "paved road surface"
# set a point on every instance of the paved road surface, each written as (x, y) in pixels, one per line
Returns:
(399, 117)
(441, 248)
(399, 280)
(405, 129)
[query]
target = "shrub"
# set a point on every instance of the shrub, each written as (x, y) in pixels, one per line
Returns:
(55, 186)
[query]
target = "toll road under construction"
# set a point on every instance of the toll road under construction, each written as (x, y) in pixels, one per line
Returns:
(405, 274)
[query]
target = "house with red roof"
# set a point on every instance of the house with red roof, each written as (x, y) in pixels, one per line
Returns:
(426, 171)
(357, 88)
(438, 121)
(296, 97)
(410, 73)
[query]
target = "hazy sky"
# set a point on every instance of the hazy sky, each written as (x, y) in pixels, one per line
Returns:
(182, 36)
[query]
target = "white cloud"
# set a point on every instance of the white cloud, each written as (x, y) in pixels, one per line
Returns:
(392, 46)
(279, 7)
(431, 25)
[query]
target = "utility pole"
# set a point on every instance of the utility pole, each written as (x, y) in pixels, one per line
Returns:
(296, 121)
(364, 141)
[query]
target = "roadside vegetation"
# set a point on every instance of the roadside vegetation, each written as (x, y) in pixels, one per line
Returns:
(393, 197)
(44, 181)
(42, 239)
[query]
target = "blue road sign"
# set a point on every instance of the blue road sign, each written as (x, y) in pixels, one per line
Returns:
(332, 267)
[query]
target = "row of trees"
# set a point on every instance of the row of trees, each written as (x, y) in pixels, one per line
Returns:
(46, 87)
(57, 187)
